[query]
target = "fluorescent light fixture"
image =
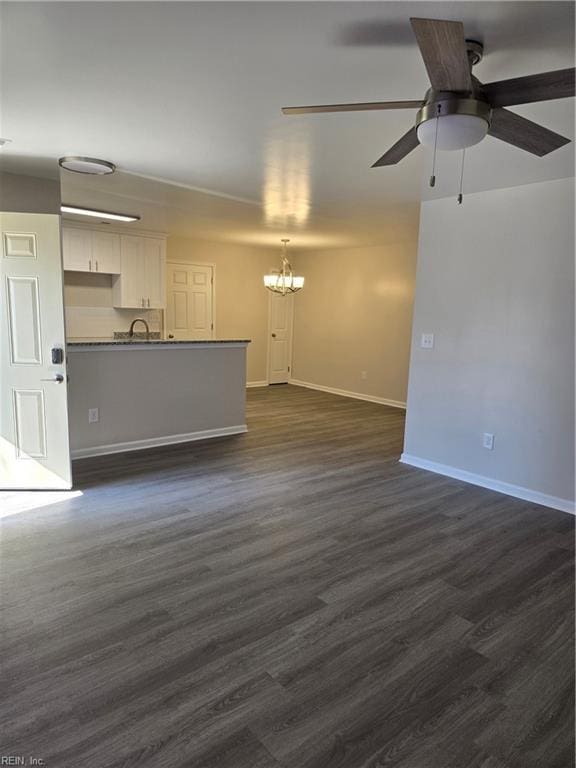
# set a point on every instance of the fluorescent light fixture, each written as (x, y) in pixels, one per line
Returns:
(97, 214)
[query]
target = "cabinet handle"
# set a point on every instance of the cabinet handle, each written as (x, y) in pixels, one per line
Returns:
(96, 266)
(90, 264)
(148, 302)
(142, 301)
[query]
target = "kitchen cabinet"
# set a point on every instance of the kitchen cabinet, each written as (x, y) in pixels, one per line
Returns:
(141, 280)
(106, 252)
(77, 249)
(154, 273)
(86, 250)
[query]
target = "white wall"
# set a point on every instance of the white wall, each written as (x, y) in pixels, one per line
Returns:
(495, 284)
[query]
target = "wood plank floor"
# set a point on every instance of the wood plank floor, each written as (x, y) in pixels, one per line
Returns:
(289, 598)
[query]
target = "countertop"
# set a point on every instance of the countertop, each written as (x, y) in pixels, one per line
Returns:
(135, 343)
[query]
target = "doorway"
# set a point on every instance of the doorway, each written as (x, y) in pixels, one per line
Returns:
(280, 328)
(189, 301)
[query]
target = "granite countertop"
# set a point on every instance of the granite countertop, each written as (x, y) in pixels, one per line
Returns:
(149, 342)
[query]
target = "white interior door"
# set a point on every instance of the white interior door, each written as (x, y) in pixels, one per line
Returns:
(189, 301)
(34, 449)
(281, 314)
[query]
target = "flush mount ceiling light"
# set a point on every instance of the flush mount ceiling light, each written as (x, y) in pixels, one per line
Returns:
(97, 214)
(90, 165)
(284, 281)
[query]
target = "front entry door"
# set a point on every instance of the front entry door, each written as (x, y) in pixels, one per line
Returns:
(34, 448)
(189, 301)
(281, 315)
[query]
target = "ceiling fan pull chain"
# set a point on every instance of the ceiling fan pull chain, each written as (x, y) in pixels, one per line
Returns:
(460, 198)
(433, 177)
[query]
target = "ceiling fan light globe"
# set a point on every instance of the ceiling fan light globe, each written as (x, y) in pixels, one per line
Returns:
(454, 131)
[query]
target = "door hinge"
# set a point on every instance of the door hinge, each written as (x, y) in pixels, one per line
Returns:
(288, 369)
(211, 326)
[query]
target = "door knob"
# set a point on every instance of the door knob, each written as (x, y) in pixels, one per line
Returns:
(273, 335)
(170, 335)
(58, 378)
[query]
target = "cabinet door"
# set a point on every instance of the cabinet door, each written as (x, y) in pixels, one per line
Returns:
(133, 293)
(106, 252)
(154, 273)
(77, 250)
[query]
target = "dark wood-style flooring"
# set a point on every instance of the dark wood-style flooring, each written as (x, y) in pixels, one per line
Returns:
(294, 598)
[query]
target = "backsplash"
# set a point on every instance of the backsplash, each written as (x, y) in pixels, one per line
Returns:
(103, 322)
(119, 335)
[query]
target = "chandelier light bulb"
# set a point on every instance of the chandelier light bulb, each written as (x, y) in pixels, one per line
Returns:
(284, 281)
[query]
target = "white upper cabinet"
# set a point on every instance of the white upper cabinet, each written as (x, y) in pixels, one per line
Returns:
(86, 250)
(154, 271)
(140, 284)
(77, 249)
(106, 252)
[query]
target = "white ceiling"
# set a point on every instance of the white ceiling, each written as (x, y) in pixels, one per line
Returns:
(190, 93)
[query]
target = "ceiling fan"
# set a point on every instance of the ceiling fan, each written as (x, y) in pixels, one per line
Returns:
(458, 110)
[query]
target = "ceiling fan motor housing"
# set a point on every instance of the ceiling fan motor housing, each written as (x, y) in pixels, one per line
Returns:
(463, 120)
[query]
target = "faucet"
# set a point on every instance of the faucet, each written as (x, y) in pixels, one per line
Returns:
(133, 323)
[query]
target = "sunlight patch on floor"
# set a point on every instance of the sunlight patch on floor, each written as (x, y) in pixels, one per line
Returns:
(15, 502)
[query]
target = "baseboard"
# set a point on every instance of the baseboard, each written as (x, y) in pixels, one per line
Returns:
(155, 442)
(250, 384)
(526, 494)
(346, 393)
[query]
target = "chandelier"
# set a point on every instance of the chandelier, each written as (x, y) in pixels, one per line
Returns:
(284, 281)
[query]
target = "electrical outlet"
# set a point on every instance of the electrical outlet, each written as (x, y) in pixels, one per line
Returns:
(364, 375)
(93, 415)
(427, 341)
(488, 441)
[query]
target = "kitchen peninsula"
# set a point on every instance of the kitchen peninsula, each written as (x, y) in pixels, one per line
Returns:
(132, 394)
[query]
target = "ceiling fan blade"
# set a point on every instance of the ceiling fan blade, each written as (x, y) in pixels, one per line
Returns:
(558, 84)
(403, 147)
(443, 49)
(522, 133)
(365, 106)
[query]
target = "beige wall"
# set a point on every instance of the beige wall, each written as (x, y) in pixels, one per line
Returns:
(29, 194)
(241, 299)
(353, 315)
(496, 286)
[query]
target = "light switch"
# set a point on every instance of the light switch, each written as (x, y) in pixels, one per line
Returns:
(427, 341)
(93, 415)
(488, 441)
